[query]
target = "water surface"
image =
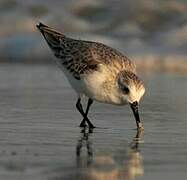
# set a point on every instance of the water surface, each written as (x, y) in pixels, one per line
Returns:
(40, 138)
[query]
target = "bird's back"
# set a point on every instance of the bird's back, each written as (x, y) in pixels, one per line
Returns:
(80, 57)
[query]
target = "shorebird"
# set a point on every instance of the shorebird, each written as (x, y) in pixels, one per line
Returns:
(97, 71)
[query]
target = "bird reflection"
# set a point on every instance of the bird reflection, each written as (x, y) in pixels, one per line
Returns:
(84, 141)
(108, 167)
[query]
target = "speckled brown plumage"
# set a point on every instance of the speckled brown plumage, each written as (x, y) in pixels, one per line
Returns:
(130, 78)
(80, 57)
(97, 71)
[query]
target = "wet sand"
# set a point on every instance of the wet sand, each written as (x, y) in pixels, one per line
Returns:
(40, 138)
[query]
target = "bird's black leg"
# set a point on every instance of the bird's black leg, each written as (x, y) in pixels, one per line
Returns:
(82, 124)
(80, 109)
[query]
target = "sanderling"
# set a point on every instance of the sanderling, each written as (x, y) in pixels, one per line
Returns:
(97, 71)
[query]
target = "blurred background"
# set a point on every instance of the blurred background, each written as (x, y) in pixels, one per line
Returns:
(152, 32)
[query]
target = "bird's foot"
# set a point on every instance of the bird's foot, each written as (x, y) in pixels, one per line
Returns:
(83, 124)
(90, 125)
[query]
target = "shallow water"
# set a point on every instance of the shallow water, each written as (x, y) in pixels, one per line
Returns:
(40, 138)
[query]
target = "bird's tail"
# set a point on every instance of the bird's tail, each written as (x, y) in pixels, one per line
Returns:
(51, 36)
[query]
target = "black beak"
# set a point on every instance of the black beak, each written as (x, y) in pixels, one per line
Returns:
(134, 107)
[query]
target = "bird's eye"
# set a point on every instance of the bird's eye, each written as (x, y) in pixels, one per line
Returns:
(125, 89)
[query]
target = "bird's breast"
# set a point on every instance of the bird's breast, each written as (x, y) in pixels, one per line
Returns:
(101, 86)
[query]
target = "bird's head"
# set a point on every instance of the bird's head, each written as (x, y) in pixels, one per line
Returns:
(131, 89)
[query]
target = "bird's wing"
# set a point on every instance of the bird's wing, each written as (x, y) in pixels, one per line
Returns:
(110, 56)
(80, 57)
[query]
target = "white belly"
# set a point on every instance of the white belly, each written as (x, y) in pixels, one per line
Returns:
(96, 85)
(75, 84)
(101, 86)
